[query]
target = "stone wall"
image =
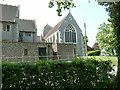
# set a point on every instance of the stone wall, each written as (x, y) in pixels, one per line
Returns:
(66, 51)
(11, 35)
(79, 37)
(14, 51)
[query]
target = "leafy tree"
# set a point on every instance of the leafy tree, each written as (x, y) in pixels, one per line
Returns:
(113, 8)
(106, 38)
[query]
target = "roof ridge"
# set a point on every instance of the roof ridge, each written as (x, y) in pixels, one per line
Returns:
(47, 25)
(54, 29)
(9, 5)
(26, 20)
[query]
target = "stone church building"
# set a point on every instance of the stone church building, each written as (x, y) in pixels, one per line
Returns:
(67, 31)
(21, 43)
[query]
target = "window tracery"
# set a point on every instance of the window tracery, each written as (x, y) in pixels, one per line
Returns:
(70, 34)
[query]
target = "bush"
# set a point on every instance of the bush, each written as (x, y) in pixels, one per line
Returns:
(94, 53)
(58, 75)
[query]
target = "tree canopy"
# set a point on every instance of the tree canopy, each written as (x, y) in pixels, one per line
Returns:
(106, 38)
(61, 4)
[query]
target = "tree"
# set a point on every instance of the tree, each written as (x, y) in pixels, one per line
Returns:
(113, 9)
(106, 38)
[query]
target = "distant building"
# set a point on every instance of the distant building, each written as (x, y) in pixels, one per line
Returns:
(19, 37)
(95, 47)
(15, 29)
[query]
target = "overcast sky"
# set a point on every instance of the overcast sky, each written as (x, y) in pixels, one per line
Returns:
(90, 13)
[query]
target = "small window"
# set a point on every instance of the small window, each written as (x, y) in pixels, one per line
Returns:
(6, 27)
(27, 34)
(25, 52)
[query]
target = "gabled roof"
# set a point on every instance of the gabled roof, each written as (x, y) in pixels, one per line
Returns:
(55, 28)
(9, 13)
(27, 25)
(46, 29)
(47, 25)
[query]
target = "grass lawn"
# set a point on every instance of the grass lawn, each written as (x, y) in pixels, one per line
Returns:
(106, 58)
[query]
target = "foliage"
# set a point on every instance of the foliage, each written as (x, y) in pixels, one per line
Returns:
(113, 9)
(106, 38)
(85, 41)
(94, 53)
(85, 38)
(61, 4)
(113, 59)
(58, 75)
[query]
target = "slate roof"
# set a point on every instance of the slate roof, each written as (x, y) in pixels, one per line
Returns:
(9, 13)
(27, 25)
(55, 28)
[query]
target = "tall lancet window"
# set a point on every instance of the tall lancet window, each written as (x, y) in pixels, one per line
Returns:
(70, 34)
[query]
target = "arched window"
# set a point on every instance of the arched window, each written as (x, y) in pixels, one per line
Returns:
(70, 34)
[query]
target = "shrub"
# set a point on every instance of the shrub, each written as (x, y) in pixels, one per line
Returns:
(57, 75)
(94, 53)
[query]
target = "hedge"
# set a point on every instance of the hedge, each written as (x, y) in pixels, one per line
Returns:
(57, 75)
(94, 53)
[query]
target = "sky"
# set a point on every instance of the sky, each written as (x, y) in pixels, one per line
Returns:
(90, 13)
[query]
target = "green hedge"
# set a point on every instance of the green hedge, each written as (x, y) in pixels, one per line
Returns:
(57, 75)
(94, 53)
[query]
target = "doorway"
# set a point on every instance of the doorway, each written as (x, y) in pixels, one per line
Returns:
(42, 52)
